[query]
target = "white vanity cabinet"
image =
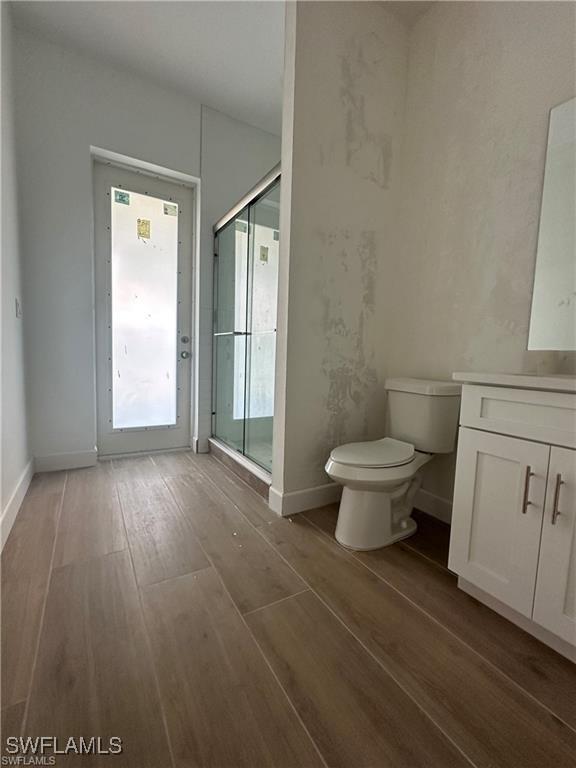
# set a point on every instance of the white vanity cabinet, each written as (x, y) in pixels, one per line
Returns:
(513, 538)
(555, 600)
(497, 515)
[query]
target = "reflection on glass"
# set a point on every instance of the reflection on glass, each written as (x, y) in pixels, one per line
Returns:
(245, 298)
(264, 252)
(144, 240)
(230, 359)
(553, 317)
(230, 297)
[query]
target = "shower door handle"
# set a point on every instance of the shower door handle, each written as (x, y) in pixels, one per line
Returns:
(233, 333)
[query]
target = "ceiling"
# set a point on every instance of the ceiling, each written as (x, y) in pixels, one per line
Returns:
(227, 55)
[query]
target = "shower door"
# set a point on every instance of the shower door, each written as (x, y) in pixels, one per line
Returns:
(245, 297)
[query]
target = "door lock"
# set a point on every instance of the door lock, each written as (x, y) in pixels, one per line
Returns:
(185, 339)
(184, 355)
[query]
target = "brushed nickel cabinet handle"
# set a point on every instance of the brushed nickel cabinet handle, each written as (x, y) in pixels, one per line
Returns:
(555, 510)
(526, 502)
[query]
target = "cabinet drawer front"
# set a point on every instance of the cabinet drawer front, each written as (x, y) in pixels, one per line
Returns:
(497, 515)
(549, 417)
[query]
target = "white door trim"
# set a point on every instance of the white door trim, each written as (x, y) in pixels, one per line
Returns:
(195, 183)
(143, 181)
(134, 164)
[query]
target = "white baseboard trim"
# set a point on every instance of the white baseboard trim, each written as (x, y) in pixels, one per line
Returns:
(200, 444)
(434, 505)
(15, 502)
(137, 454)
(309, 498)
(299, 501)
(55, 461)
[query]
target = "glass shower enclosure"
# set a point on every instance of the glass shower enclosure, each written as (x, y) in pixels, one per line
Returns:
(246, 252)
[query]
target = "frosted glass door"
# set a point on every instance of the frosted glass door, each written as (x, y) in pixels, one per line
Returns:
(143, 305)
(144, 310)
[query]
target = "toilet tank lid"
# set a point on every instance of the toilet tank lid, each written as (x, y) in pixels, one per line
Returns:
(424, 387)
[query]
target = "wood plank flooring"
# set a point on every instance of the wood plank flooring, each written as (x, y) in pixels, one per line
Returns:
(544, 674)
(161, 537)
(158, 599)
(91, 523)
(26, 562)
(223, 705)
(93, 674)
(356, 713)
(252, 572)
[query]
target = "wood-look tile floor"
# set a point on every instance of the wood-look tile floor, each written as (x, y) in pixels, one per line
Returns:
(159, 600)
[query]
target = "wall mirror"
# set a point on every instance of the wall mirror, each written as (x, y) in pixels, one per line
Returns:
(553, 316)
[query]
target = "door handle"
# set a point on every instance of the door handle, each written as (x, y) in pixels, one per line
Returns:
(555, 511)
(526, 501)
(233, 333)
(184, 354)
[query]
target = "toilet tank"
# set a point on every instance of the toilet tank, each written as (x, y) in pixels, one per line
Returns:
(423, 412)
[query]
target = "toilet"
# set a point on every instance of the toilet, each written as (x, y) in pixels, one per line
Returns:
(381, 477)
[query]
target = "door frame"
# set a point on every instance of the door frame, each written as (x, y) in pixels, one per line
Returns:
(193, 185)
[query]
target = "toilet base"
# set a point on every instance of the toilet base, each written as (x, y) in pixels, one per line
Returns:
(373, 519)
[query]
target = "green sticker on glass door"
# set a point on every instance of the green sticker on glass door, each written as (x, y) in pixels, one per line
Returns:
(121, 197)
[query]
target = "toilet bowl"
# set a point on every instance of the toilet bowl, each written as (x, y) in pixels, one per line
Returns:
(382, 477)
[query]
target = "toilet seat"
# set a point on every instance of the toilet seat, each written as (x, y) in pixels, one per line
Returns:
(376, 478)
(375, 454)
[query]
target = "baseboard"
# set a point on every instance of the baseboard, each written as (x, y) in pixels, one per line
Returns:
(138, 454)
(200, 445)
(546, 637)
(299, 501)
(56, 461)
(433, 505)
(15, 502)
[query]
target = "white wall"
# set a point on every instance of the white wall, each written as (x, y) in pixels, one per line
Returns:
(235, 156)
(482, 80)
(416, 175)
(67, 103)
(15, 456)
(346, 106)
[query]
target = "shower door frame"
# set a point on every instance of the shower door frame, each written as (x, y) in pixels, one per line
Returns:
(250, 199)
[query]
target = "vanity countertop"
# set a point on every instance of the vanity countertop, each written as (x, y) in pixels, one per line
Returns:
(547, 383)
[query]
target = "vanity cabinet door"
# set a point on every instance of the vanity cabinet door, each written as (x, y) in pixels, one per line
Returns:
(555, 604)
(497, 515)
